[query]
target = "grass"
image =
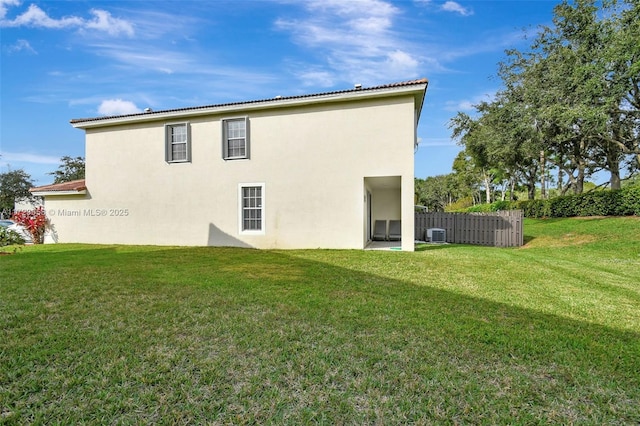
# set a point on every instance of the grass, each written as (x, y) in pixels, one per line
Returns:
(544, 334)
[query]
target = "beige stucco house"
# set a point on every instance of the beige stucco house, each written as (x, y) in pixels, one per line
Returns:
(311, 171)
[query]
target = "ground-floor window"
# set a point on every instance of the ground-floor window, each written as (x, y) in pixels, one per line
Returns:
(252, 208)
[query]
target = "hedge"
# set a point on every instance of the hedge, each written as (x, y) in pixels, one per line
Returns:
(621, 202)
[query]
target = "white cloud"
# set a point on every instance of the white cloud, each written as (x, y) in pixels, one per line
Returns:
(142, 57)
(146, 57)
(103, 21)
(356, 40)
(401, 60)
(36, 17)
(353, 7)
(468, 105)
(431, 142)
(117, 107)
(4, 6)
(452, 6)
(464, 105)
(372, 24)
(311, 77)
(26, 157)
(21, 46)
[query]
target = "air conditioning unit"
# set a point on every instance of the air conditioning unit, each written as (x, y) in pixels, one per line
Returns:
(437, 235)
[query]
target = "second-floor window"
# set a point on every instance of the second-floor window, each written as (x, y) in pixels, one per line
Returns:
(177, 143)
(235, 138)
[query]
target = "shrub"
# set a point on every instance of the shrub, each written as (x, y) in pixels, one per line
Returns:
(498, 206)
(9, 237)
(479, 208)
(35, 221)
(622, 202)
(534, 208)
(461, 205)
(630, 201)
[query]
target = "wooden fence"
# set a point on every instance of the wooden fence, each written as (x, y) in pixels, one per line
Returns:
(499, 229)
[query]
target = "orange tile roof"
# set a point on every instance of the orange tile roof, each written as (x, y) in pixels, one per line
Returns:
(74, 185)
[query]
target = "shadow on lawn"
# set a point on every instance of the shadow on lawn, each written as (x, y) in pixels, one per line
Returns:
(417, 343)
(434, 246)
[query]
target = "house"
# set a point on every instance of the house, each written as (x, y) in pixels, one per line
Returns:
(27, 203)
(309, 171)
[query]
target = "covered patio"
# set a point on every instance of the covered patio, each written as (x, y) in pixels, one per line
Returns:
(385, 198)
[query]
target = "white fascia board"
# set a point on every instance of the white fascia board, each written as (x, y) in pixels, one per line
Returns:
(51, 193)
(417, 90)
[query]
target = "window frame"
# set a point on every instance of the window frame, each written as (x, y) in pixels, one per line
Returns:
(225, 138)
(241, 209)
(168, 142)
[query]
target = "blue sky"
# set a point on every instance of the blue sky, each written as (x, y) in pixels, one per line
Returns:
(74, 59)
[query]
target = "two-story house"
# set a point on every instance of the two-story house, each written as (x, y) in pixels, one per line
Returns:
(311, 171)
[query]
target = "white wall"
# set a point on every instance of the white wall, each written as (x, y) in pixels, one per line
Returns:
(312, 160)
(26, 204)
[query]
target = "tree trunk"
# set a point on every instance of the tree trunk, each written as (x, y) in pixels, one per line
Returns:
(512, 186)
(615, 181)
(578, 187)
(531, 187)
(543, 177)
(560, 180)
(613, 165)
(486, 178)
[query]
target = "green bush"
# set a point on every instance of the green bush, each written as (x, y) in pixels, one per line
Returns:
(630, 201)
(9, 237)
(498, 206)
(461, 205)
(622, 202)
(479, 208)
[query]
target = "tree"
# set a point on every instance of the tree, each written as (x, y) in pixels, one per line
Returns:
(14, 185)
(577, 50)
(501, 143)
(623, 59)
(467, 177)
(475, 135)
(436, 192)
(70, 169)
(580, 78)
(570, 101)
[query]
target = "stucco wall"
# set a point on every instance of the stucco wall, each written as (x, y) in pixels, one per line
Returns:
(312, 160)
(386, 204)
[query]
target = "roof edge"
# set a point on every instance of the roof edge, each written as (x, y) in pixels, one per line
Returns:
(73, 187)
(83, 123)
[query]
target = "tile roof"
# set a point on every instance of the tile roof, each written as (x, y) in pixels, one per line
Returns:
(74, 185)
(279, 98)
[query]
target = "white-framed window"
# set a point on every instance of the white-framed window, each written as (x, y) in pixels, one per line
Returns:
(235, 138)
(178, 143)
(251, 207)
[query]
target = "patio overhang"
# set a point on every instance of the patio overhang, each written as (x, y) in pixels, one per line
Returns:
(74, 187)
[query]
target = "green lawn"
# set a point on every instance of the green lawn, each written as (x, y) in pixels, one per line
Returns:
(544, 334)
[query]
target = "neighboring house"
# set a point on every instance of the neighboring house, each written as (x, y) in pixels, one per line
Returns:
(27, 204)
(310, 171)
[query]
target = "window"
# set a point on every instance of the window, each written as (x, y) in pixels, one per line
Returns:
(235, 138)
(251, 208)
(178, 143)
